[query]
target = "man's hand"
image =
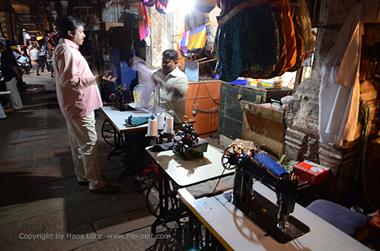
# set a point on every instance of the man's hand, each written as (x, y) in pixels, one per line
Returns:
(98, 78)
(108, 77)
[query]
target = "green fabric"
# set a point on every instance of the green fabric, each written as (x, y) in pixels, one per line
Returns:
(249, 41)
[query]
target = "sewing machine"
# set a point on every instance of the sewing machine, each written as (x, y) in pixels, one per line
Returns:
(187, 145)
(254, 164)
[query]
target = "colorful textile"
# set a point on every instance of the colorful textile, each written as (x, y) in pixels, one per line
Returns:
(161, 6)
(149, 3)
(144, 22)
(247, 41)
(299, 41)
(194, 39)
(184, 42)
(197, 38)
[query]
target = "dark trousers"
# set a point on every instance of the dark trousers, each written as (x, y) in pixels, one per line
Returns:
(41, 64)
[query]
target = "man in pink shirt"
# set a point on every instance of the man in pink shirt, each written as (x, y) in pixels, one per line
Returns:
(78, 96)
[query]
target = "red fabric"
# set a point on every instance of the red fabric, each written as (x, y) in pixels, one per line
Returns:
(144, 22)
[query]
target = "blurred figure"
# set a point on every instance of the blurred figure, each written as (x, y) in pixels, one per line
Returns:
(41, 58)
(11, 75)
(34, 56)
(173, 85)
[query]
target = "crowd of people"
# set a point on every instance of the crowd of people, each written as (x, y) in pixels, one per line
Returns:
(24, 58)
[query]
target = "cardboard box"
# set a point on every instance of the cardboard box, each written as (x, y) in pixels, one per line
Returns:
(311, 172)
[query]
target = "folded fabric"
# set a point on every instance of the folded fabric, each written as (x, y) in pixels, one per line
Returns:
(136, 121)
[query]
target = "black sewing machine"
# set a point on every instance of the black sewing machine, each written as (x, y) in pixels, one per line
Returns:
(120, 98)
(187, 145)
(254, 164)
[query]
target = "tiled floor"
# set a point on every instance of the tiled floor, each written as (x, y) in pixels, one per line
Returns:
(43, 208)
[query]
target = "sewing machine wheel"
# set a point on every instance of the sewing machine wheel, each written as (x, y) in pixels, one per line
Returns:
(231, 156)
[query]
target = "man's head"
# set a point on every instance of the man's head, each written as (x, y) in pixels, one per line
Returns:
(73, 29)
(169, 61)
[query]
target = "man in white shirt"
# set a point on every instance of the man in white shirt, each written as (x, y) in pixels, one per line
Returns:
(173, 85)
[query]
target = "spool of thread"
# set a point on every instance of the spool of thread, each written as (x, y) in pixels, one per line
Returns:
(169, 122)
(160, 121)
(152, 128)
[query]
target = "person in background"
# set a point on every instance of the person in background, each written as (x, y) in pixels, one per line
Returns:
(11, 75)
(49, 55)
(33, 52)
(78, 96)
(173, 85)
(41, 58)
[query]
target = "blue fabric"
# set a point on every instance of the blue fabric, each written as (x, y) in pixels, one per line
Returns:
(341, 217)
(267, 161)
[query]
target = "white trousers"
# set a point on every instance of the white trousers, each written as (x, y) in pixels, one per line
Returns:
(82, 136)
(15, 95)
(2, 113)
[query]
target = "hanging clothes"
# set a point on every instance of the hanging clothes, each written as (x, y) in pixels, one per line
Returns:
(144, 22)
(197, 38)
(149, 3)
(247, 39)
(307, 34)
(287, 40)
(184, 42)
(161, 6)
(340, 88)
(299, 53)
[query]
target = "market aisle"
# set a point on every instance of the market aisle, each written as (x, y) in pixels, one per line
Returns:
(41, 200)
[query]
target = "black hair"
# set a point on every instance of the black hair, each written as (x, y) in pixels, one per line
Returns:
(170, 54)
(69, 23)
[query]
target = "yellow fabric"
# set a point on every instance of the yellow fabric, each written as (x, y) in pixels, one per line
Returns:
(197, 40)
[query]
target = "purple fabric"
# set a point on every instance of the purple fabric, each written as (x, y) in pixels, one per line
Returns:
(341, 217)
(149, 3)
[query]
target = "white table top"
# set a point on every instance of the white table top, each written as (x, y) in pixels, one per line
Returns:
(5, 93)
(118, 118)
(188, 172)
(237, 232)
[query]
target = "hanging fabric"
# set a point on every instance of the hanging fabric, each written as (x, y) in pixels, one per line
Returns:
(307, 34)
(287, 41)
(299, 53)
(247, 39)
(184, 42)
(340, 88)
(144, 22)
(149, 3)
(161, 6)
(197, 38)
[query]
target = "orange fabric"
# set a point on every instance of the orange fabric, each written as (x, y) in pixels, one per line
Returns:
(288, 53)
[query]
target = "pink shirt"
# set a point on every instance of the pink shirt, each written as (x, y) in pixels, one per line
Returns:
(77, 90)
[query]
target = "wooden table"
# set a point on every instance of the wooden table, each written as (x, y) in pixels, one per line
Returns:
(237, 232)
(178, 173)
